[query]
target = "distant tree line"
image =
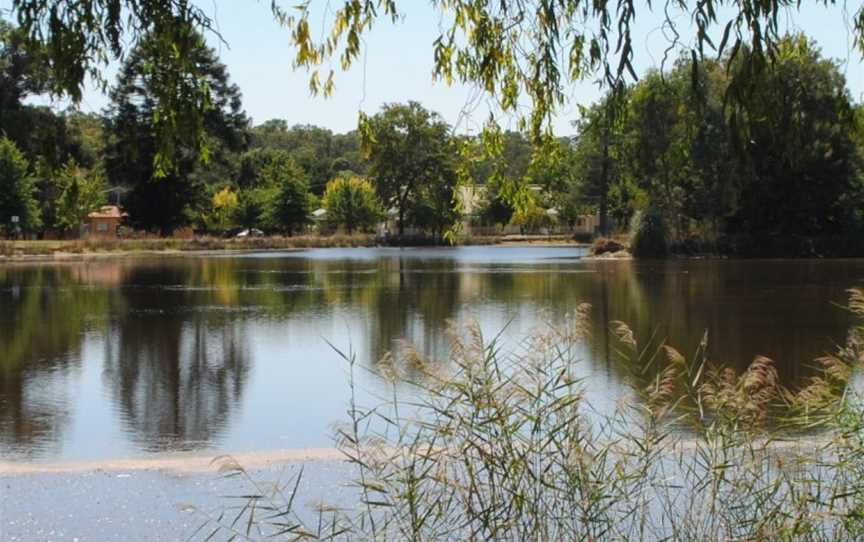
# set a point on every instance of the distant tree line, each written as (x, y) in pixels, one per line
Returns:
(672, 158)
(781, 161)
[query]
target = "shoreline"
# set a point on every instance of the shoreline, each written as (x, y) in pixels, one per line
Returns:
(78, 251)
(181, 462)
(209, 461)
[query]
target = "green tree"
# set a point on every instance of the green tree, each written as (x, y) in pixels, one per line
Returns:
(497, 208)
(25, 72)
(531, 216)
(81, 192)
(164, 198)
(321, 154)
(17, 190)
(351, 203)
(482, 42)
(289, 202)
(597, 157)
(411, 162)
(434, 209)
(253, 208)
(801, 172)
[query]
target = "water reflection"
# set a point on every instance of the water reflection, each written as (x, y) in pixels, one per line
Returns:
(176, 375)
(41, 325)
(123, 357)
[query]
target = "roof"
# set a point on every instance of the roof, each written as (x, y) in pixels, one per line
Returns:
(108, 211)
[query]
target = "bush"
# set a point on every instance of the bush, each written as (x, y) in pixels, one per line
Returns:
(648, 235)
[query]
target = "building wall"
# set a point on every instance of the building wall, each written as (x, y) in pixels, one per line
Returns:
(101, 228)
(587, 224)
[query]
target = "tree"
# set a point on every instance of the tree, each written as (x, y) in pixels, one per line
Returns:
(509, 48)
(597, 147)
(497, 208)
(411, 162)
(85, 138)
(17, 191)
(25, 72)
(321, 154)
(531, 216)
(290, 205)
(351, 203)
(434, 209)
(802, 166)
(81, 193)
(225, 205)
(168, 194)
(783, 159)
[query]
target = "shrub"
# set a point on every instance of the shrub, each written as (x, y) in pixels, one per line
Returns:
(648, 235)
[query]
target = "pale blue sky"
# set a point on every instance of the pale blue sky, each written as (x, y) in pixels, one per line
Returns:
(399, 62)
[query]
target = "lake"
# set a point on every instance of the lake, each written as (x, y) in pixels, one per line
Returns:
(129, 357)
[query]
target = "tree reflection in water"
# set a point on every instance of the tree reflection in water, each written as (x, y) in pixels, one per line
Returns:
(42, 322)
(176, 373)
(171, 346)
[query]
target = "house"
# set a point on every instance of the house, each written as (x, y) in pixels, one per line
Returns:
(587, 224)
(104, 223)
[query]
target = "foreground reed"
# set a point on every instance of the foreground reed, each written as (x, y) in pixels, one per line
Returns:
(500, 445)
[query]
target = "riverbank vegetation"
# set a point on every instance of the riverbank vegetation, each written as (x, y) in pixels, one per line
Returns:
(499, 445)
(731, 155)
(777, 171)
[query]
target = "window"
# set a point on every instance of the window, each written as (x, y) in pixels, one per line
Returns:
(102, 227)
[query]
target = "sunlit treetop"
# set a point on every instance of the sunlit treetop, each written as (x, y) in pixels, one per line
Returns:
(512, 49)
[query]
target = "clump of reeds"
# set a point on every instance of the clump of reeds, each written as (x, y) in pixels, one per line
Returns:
(500, 445)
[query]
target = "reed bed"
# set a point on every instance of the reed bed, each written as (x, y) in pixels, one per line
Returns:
(501, 445)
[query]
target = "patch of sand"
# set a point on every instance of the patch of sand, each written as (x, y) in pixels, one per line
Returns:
(181, 463)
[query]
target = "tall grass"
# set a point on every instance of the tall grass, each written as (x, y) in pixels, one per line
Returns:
(501, 445)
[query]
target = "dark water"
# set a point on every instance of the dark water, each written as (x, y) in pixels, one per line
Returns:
(130, 357)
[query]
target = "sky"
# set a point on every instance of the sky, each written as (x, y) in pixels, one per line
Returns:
(398, 59)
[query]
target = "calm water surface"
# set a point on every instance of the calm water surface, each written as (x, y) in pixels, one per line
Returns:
(132, 357)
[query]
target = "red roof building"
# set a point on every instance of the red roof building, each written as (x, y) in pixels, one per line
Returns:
(104, 223)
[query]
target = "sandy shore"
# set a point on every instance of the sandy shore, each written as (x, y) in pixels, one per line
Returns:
(179, 463)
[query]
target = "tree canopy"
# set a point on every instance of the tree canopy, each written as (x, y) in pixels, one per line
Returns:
(410, 156)
(785, 163)
(165, 194)
(351, 203)
(19, 210)
(508, 48)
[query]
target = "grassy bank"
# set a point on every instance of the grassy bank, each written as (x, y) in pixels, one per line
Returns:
(101, 246)
(501, 446)
(11, 250)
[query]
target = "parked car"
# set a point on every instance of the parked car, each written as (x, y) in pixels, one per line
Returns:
(252, 232)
